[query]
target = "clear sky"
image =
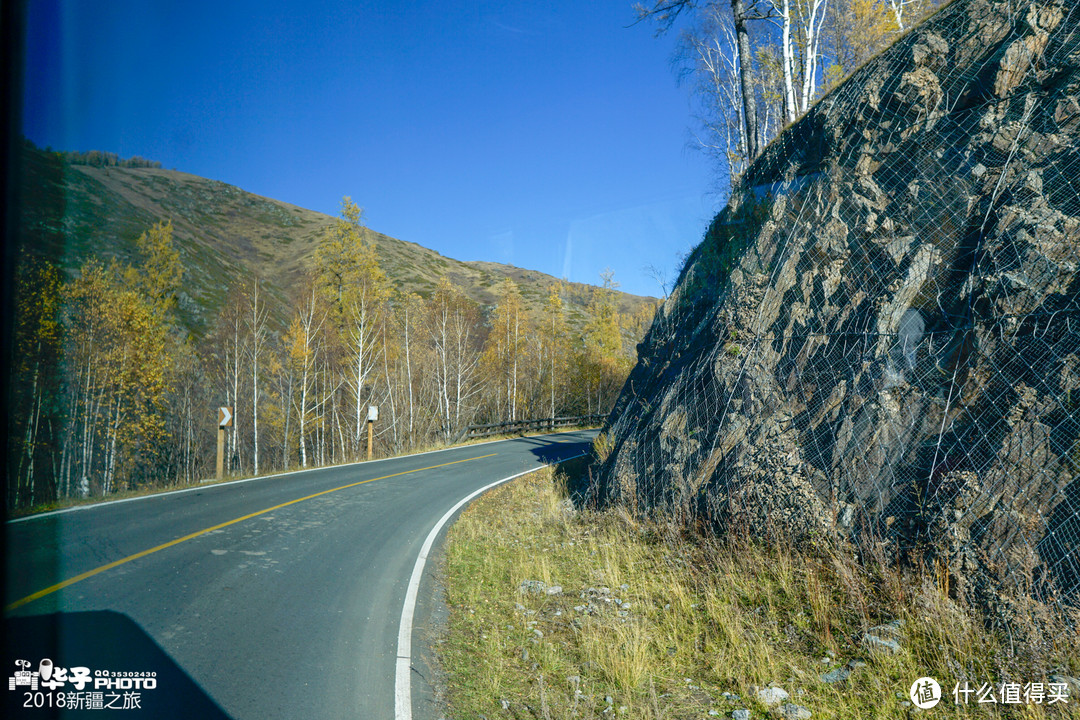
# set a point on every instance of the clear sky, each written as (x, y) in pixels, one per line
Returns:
(549, 134)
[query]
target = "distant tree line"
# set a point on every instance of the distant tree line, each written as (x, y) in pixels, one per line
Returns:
(110, 393)
(96, 158)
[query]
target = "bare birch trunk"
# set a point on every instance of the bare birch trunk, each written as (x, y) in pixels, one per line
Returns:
(746, 80)
(409, 376)
(813, 40)
(258, 321)
(790, 108)
(303, 415)
(513, 412)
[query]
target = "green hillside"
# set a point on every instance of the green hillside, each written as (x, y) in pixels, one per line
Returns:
(72, 212)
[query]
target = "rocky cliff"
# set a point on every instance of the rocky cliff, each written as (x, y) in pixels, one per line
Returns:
(880, 335)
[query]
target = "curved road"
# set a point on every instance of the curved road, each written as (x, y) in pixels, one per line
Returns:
(278, 597)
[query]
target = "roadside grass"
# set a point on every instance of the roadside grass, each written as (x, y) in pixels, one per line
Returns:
(654, 623)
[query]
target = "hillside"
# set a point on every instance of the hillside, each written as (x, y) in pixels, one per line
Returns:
(73, 212)
(877, 340)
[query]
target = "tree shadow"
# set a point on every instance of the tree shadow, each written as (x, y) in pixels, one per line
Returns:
(105, 642)
(553, 453)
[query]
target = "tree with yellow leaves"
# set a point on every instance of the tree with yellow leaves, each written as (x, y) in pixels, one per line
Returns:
(505, 347)
(855, 31)
(302, 343)
(121, 350)
(553, 345)
(158, 274)
(410, 311)
(37, 337)
(356, 291)
(603, 363)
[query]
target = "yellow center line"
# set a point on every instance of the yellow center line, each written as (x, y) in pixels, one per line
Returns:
(90, 573)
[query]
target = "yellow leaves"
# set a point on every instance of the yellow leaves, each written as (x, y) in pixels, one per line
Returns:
(554, 305)
(509, 298)
(351, 213)
(872, 22)
(37, 298)
(131, 347)
(297, 343)
(446, 298)
(347, 265)
(157, 278)
(603, 335)
(863, 28)
(119, 343)
(554, 335)
(509, 330)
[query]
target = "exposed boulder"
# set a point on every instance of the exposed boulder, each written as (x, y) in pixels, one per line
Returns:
(881, 332)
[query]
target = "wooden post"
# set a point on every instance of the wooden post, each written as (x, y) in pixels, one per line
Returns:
(221, 453)
(225, 418)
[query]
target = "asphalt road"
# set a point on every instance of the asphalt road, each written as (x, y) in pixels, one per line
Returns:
(251, 599)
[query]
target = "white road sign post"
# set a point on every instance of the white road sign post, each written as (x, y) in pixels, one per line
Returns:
(225, 418)
(372, 416)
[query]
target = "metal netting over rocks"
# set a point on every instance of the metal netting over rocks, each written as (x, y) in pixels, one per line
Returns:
(880, 335)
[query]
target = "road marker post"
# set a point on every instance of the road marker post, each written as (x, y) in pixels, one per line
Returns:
(225, 418)
(372, 416)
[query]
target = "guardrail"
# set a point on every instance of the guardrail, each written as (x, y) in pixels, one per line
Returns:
(478, 431)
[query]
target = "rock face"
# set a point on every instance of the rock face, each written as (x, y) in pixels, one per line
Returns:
(881, 332)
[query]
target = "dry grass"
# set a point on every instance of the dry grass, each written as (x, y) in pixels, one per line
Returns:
(687, 620)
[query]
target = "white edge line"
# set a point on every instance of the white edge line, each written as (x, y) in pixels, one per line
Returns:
(211, 485)
(403, 679)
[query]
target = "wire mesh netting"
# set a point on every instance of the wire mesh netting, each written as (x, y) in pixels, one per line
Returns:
(880, 335)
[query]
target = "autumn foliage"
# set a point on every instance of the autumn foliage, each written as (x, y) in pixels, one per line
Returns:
(111, 393)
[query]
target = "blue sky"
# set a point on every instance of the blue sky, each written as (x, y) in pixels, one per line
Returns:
(549, 134)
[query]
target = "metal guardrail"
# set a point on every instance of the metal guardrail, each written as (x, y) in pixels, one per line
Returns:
(478, 431)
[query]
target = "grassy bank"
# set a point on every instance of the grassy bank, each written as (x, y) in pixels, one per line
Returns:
(651, 623)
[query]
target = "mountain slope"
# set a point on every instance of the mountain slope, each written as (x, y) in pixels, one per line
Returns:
(226, 235)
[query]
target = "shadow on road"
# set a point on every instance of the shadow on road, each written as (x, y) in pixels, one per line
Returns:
(106, 643)
(549, 452)
(578, 472)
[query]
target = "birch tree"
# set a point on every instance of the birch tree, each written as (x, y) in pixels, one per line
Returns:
(356, 289)
(665, 12)
(788, 58)
(504, 349)
(812, 15)
(255, 319)
(37, 337)
(553, 345)
(86, 302)
(604, 361)
(301, 343)
(158, 273)
(410, 311)
(714, 58)
(227, 349)
(119, 350)
(452, 324)
(136, 384)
